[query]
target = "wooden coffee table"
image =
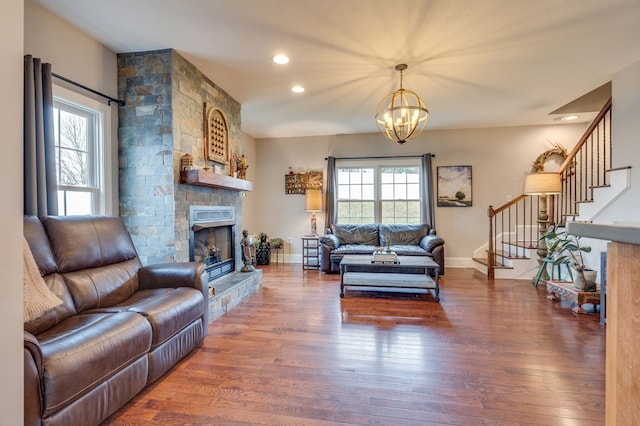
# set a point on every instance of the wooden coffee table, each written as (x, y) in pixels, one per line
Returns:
(411, 272)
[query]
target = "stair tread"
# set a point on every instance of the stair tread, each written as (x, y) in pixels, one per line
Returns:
(484, 261)
(504, 254)
(522, 244)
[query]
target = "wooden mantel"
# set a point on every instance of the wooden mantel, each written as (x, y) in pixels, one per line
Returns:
(214, 180)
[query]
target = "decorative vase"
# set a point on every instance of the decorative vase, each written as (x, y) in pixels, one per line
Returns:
(585, 280)
(263, 255)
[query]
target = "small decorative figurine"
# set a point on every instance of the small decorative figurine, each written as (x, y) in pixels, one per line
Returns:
(233, 164)
(242, 167)
(186, 162)
(248, 246)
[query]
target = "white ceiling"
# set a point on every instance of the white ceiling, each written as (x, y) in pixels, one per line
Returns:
(476, 63)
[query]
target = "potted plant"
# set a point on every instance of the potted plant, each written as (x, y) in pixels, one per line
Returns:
(565, 249)
(276, 243)
(263, 249)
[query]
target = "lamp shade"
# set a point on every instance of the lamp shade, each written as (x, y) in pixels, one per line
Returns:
(542, 183)
(313, 199)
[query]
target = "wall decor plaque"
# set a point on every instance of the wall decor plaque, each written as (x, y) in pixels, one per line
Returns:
(298, 183)
(217, 135)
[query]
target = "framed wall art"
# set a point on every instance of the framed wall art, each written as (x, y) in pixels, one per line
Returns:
(298, 183)
(454, 186)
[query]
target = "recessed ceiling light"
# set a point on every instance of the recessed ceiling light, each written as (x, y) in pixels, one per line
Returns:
(570, 118)
(280, 59)
(297, 89)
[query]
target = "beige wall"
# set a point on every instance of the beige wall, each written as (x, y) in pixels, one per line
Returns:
(76, 56)
(250, 219)
(626, 141)
(11, 77)
(500, 159)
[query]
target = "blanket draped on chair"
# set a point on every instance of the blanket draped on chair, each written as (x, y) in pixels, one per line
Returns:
(37, 298)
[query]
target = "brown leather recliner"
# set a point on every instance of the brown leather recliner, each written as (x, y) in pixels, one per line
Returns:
(120, 327)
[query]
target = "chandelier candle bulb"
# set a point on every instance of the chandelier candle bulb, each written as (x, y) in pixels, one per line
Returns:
(401, 115)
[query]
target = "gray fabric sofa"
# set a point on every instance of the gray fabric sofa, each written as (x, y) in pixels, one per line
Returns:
(404, 239)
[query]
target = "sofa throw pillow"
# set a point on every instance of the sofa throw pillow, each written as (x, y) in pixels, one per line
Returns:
(37, 298)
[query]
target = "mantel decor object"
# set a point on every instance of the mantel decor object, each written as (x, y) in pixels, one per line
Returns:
(241, 166)
(186, 162)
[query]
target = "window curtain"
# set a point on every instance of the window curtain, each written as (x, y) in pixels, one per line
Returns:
(40, 190)
(331, 192)
(427, 213)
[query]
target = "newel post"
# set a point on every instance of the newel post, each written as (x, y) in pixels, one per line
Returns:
(490, 254)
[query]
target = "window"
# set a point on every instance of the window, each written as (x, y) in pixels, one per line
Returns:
(80, 125)
(383, 193)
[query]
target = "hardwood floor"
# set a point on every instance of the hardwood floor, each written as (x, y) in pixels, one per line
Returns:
(294, 353)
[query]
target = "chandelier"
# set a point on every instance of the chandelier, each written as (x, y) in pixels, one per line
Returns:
(402, 115)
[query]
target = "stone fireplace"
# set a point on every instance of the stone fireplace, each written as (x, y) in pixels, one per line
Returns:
(211, 239)
(163, 119)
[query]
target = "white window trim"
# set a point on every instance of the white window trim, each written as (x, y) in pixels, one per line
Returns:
(104, 158)
(377, 164)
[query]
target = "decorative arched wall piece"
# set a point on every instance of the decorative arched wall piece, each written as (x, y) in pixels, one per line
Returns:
(217, 135)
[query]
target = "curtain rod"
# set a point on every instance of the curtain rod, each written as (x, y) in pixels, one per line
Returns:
(375, 158)
(120, 102)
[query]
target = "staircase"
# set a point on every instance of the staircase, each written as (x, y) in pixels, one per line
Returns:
(589, 186)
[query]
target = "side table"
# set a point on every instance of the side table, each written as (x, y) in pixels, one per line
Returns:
(310, 252)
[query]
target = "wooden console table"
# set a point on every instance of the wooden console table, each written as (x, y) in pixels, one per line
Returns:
(560, 289)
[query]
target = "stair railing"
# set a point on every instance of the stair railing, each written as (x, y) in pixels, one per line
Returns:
(514, 226)
(586, 167)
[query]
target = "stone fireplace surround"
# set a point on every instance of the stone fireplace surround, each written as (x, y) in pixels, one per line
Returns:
(162, 120)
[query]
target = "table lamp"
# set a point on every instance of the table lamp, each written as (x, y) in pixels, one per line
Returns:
(542, 184)
(313, 203)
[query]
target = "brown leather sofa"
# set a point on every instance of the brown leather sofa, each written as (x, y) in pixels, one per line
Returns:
(403, 239)
(120, 327)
